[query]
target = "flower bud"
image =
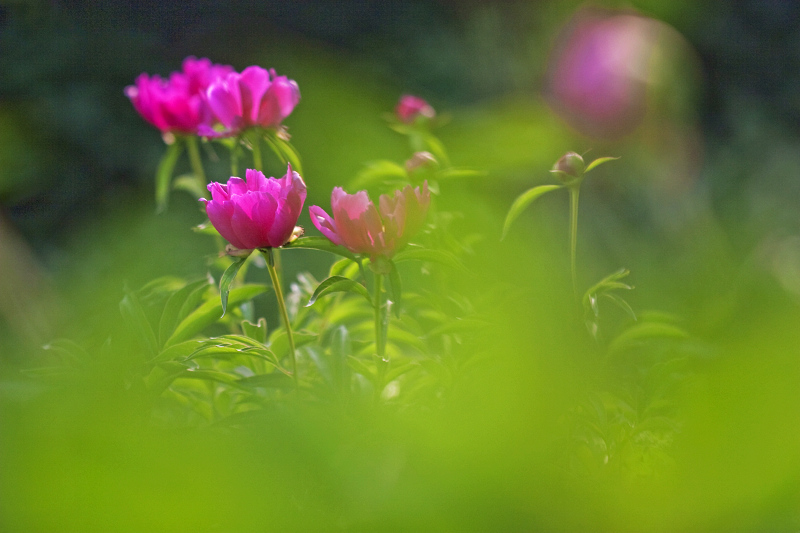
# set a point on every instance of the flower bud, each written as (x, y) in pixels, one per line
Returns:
(569, 167)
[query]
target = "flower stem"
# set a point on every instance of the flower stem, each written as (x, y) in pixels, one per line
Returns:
(256, 144)
(380, 334)
(276, 284)
(574, 191)
(194, 159)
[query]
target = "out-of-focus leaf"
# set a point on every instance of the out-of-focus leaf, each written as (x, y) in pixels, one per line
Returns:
(174, 310)
(284, 150)
(136, 319)
(458, 325)
(338, 284)
(209, 312)
(273, 380)
(227, 278)
(206, 228)
(360, 367)
(395, 289)
(523, 201)
(67, 349)
(622, 304)
(441, 257)
(341, 349)
(164, 173)
(645, 331)
(191, 184)
(454, 173)
(597, 162)
(381, 171)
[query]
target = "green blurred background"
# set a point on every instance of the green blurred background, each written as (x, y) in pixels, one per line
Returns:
(702, 207)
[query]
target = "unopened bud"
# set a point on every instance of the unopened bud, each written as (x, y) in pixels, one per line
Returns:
(569, 167)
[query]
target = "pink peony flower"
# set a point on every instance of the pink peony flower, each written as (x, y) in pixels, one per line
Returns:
(362, 228)
(177, 104)
(256, 97)
(259, 212)
(410, 107)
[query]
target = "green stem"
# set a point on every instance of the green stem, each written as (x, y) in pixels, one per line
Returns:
(195, 160)
(276, 284)
(574, 191)
(256, 144)
(380, 335)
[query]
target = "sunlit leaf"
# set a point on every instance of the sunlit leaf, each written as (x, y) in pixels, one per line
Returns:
(338, 284)
(273, 380)
(191, 184)
(227, 278)
(523, 201)
(622, 304)
(360, 367)
(454, 173)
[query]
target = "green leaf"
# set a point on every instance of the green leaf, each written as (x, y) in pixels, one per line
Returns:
(174, 310)
(135, 317)
(273, 380)
(256, 332)
(284, 150)
(341, 349)
(279, 343)
(395, 289)
(227, 278)
(362, 368)
(206, 228)
(191, 184)
(621, 303)
(645, 331)
(597, 162)
(164, 173)
(458, 325)
(459, 173)
(523, 201)
(379, 172)
(434, 256)
(436, 147)
(321, 243)
(209, 312)
(338, 284)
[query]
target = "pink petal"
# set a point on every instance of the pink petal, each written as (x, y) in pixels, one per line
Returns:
(325, 224)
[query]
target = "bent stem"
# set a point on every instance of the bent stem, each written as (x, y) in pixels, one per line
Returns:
(574, 191)
(195, 161)
(276, 284)
(380, 335)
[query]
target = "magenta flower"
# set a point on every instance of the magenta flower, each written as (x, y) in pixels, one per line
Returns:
(259, 212)
(176, 105)
(362, 228)
(601, 71)
(410, 107)
(256, 97)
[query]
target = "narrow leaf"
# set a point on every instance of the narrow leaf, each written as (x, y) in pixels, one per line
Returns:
(321, 243)
(191, 184)
(523, 201)
(645, 331)
(395, 289)
(459, 173)
(164, 173)
(621, 303)
(171, 316)
(209, 313)
(597, 162)
(227, 278)
(379, 171)
(135, 317)
(338, 284)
